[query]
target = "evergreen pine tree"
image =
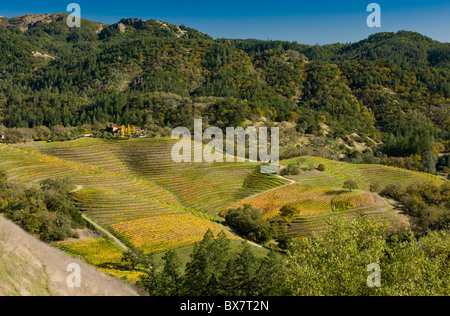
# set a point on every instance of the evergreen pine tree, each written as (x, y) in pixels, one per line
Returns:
(247, 265)
(171, 277)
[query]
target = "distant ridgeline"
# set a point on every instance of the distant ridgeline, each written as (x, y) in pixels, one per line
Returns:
(391, 88)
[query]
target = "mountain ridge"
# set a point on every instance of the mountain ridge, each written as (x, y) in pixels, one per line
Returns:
(27, 21)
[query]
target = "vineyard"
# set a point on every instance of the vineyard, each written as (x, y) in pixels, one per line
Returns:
(319, 196)
(164, 232)
(364, 175)
(307, 200)
(98, 251)
(303, 226)
(134, 189)
(316, 206)
(203, 187)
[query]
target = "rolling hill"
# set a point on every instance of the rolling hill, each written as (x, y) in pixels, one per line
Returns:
(133, 189)
(337, 172)
(319, 197)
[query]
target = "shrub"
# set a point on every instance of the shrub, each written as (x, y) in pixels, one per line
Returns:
(427, 203)
(3, 176)
(336, 262)
(350, 185)
(374, 187)
(291, 169)
(249, 223)
(45, 212)
(321, 167)
(394, 190)
(285, 241)
(288, 211)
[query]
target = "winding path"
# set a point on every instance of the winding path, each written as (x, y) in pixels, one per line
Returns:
(99, 228)
(231, 231)
(78, 188)
(278, 174)
(108, 234)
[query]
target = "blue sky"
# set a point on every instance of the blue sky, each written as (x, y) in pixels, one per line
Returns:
(307, 22)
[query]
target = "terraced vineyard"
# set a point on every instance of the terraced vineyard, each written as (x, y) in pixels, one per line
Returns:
(204, 187)
(133, 189)
(98, 251)
(364, 175)
(307, 200)
(135, 183)
(316, 206)
(305, 226)
(104, 192)
(164, 232)
(319, 198)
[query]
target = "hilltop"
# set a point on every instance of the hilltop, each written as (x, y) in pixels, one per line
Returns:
(30, 22)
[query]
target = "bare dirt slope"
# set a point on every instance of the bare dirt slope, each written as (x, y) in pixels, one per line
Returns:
(31, 267)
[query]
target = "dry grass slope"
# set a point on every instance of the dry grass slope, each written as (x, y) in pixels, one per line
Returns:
(31, 267)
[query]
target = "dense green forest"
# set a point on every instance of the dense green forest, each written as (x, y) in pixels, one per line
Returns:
(390, 91)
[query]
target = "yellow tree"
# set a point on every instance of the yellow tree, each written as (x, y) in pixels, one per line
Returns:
(123, 130)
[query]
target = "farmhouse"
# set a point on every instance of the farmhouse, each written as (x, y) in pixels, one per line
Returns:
(113, 128)
(117, 130)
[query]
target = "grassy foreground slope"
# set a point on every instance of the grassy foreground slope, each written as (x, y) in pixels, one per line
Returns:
(30, 267)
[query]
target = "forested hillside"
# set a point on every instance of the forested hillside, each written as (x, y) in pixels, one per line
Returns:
(390, 91)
